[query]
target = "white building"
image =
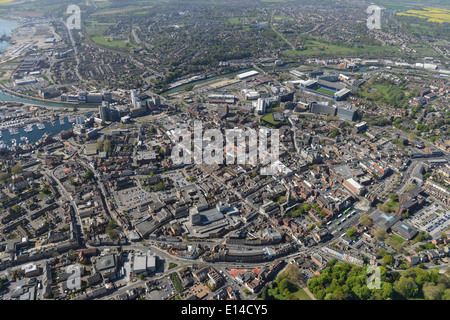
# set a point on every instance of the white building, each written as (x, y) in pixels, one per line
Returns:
(246, 75)
(144, 263)
(260, 106)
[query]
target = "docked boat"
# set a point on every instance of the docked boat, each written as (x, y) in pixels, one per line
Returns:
(40, 126)
(28, 128)
(61, 121)
(13, 131)
(14, 142)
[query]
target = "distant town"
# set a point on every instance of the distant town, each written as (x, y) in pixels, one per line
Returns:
(93, 206)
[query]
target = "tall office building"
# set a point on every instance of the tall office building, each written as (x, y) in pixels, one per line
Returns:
(108, 113)
(135, 99)
(261, 106)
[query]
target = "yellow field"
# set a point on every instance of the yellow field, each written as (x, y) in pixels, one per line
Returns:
(431, 14)
(6, 1)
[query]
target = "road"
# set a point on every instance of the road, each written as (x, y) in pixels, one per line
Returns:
(63, 192)
(278, 33)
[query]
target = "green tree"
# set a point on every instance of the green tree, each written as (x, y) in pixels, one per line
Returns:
(387, 259)
(89, 175)
(365, 220)
(432, 291)
(351, 233)
(382, 252)
(387, 290)
(107, 146)
(17, 169)
(100, 145)
(380, 234)
(406, 286)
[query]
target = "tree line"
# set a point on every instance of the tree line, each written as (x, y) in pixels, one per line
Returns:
(343, 281)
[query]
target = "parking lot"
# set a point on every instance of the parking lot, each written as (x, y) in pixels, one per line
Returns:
(131, 198)
(433, 219)
(177, 177)
(164, 290)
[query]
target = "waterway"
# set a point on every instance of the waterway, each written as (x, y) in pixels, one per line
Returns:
(7, 97)
(51, 129)
(6, 28)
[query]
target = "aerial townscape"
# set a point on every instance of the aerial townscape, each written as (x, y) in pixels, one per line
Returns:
(94, 95)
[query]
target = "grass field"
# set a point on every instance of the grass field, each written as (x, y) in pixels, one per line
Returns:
(269, 118)
(317, 47)
(300, 294)
(240, 20)
(104, 41)
(397, 238)
(431, 14)
(326, 91)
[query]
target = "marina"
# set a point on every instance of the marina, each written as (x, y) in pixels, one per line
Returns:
(26, 134)
(28, 128)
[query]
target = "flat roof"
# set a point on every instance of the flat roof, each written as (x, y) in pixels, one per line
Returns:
(247, 74)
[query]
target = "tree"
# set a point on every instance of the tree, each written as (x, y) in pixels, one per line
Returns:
(72, 255)
(284, 285)
(382, 252)
(4, 176)
(292, 273)
(387, 259)
(393, 197)
(100, 145)
(17, 169)
(107, 146)
(365, 220)
(89, 175)
(406, 286)
(111, 230)
(351, 233)
(387, 290)
(432, 291)
(380, 234)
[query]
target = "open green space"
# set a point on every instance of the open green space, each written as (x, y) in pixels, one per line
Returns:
(317, 47)
(105, 41)
(240, 20)
(385, 91)
(397, 238)
(330, 92)
(285, 286)
(344, 281)
(295, 294)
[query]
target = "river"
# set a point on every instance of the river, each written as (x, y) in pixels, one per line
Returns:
(6, 28)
